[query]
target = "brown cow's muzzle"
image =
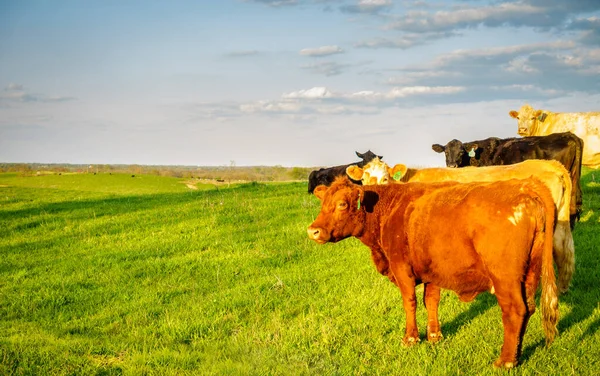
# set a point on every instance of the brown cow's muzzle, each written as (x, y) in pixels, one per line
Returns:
(317, 234)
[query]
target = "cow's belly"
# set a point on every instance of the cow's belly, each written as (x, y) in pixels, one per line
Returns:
(466, 283)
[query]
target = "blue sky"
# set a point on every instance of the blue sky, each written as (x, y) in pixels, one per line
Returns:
(283, 82)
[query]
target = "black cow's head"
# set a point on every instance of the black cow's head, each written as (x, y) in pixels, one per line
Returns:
(368, 156)
(457, 153)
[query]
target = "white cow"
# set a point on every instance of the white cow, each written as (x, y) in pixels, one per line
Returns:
(586, 125)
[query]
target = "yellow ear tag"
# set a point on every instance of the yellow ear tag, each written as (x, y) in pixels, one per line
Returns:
(358, 206)
(472, 153)
(397, 175)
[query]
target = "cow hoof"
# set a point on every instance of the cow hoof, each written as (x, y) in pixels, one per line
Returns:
(562, 290)
(506, 365)
(435, 337)
(410, 341)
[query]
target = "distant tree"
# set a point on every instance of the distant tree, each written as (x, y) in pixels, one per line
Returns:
(299, 173)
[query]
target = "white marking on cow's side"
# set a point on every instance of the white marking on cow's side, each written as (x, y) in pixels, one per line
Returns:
(492, 290)
(517, 215)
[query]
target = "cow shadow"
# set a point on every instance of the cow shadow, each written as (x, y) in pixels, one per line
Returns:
(481, 304)
(581, 301)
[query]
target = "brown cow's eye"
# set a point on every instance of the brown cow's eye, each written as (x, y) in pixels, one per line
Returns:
(342, 205)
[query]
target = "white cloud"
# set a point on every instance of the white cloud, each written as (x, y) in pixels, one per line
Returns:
(271, 106)
(315, 92)
(516, 14)
(420, 90)
(528, 89)
(374, 3)
(321, 51)
(368, 6)
(503, 51)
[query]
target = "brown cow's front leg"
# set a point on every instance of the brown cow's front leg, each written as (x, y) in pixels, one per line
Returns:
(409, 301)
(514, 317)
(431, 298)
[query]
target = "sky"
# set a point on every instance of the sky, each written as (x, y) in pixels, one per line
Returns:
(283, 82)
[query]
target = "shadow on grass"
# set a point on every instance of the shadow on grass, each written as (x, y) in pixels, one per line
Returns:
(111, 205)
(126, 209)
(480, 305)
(115, 205)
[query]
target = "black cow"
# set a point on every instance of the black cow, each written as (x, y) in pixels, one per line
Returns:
(326, 176)
(564, 147)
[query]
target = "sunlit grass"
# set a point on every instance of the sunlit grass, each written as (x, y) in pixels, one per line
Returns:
(113, 274)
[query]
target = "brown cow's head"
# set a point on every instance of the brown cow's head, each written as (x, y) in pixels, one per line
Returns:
(457, 153)
(342, 214)
(527, 119)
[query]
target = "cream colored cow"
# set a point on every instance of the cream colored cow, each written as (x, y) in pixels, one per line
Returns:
(552, 173)
(585, 125)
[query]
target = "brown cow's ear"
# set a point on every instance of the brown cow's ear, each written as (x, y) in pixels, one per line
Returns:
(514, 114)
(355, 172)
(320, 192)
(357, 196)
(438, 148)
(398, 171)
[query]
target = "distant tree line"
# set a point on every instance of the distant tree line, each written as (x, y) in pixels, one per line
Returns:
(225, 173)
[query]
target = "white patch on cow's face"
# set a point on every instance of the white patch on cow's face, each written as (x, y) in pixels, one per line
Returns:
(517, 215)
(376, 172)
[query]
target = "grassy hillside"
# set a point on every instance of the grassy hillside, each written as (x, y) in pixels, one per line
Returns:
(108, 274)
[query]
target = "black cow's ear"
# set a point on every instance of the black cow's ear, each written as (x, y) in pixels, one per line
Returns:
(472, 149)
(438, 148)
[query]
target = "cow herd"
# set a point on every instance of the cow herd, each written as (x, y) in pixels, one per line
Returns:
(495, 219)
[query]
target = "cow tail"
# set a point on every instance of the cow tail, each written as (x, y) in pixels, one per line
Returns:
(549, 300)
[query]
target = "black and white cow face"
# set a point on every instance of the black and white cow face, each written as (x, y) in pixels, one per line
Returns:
(457, 153)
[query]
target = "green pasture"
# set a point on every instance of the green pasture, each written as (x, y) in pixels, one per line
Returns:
(113, 274)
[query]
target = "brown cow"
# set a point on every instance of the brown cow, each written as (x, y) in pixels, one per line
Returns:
(505, 245)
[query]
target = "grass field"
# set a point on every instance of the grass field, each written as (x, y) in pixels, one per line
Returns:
(109, 274)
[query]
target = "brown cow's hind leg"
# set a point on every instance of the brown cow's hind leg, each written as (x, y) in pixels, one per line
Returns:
(514, 314)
